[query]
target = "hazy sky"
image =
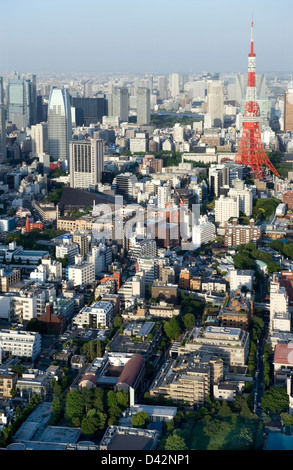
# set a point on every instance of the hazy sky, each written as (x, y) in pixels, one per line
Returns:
(152, 36)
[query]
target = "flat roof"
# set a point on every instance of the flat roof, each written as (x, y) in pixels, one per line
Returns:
(60, 435)
(131, 442)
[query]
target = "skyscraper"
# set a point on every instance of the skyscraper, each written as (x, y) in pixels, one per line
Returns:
(288, 108)
(86, 162)
(39, 139)
(2, 124)
(89, 110)
(143, 105)
(174, 84)
(59, 124)
(18, 96)
(215, 95)
(120, 103)
(163, 87)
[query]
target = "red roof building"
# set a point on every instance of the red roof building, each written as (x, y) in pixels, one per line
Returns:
(283, 362)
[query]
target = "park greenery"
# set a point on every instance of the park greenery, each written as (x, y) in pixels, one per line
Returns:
(93, 409)
(264, 209)
(286, 249)
(248, 254)
(215, 426)
(168, 120)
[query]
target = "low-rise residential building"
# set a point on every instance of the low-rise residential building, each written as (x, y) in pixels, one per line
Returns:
(33, 382)
(7, 383)
(163, 291)
(82, 273)
(241, 278)
(164, 310)
(9, 277)
(188, 379)
(20, 343)
(230, 344)
(98, 315)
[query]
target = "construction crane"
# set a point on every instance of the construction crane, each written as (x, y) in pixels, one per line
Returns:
(181, 199)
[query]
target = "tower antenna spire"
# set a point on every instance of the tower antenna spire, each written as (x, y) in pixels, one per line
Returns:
(251, 151)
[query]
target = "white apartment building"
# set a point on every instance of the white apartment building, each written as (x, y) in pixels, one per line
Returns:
(101, 257)
(230, 344)
(225, 208)
(53, 269)
(39, 274)
(241, 277)
(98, 315)
(82, 273)
(39, 139)
(67, 248)
(164, 195)
(133, 287)
(20, 343)
(150, 268)
(281, 322)
(203, 232)
(245, 198)
(138, 144)
(279, 301)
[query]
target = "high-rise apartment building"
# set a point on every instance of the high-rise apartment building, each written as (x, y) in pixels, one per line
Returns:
(143, 105)
(218, 177)
(123, 185)
(225, 208)
(288, 108)
(163, 87)
(279, 300)
(244, 196)
(39, 139)
(2, 123)
(174, 84)
(59, 124)
(215, 95)
(86, 162)
(121, 103)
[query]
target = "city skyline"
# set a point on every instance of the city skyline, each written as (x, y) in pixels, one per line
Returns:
(161, 37)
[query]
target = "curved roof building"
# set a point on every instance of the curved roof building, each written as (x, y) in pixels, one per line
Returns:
(132, 373)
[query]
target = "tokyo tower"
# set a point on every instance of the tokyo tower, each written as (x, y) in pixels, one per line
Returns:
(251, 151)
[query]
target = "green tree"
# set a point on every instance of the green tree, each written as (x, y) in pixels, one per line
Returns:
(287, 419)
(172, 328)
(122, 398)
(188, 320)
(88, 426)
(138, 420)
(118, 321)
(275, 400)
(175, 442)
(98, 399)
(74, 405)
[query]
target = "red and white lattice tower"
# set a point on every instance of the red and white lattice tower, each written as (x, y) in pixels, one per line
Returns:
(251, 151)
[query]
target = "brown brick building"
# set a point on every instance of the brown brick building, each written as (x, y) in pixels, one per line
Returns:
(288, 199)
(236, 234)
(52, 321)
